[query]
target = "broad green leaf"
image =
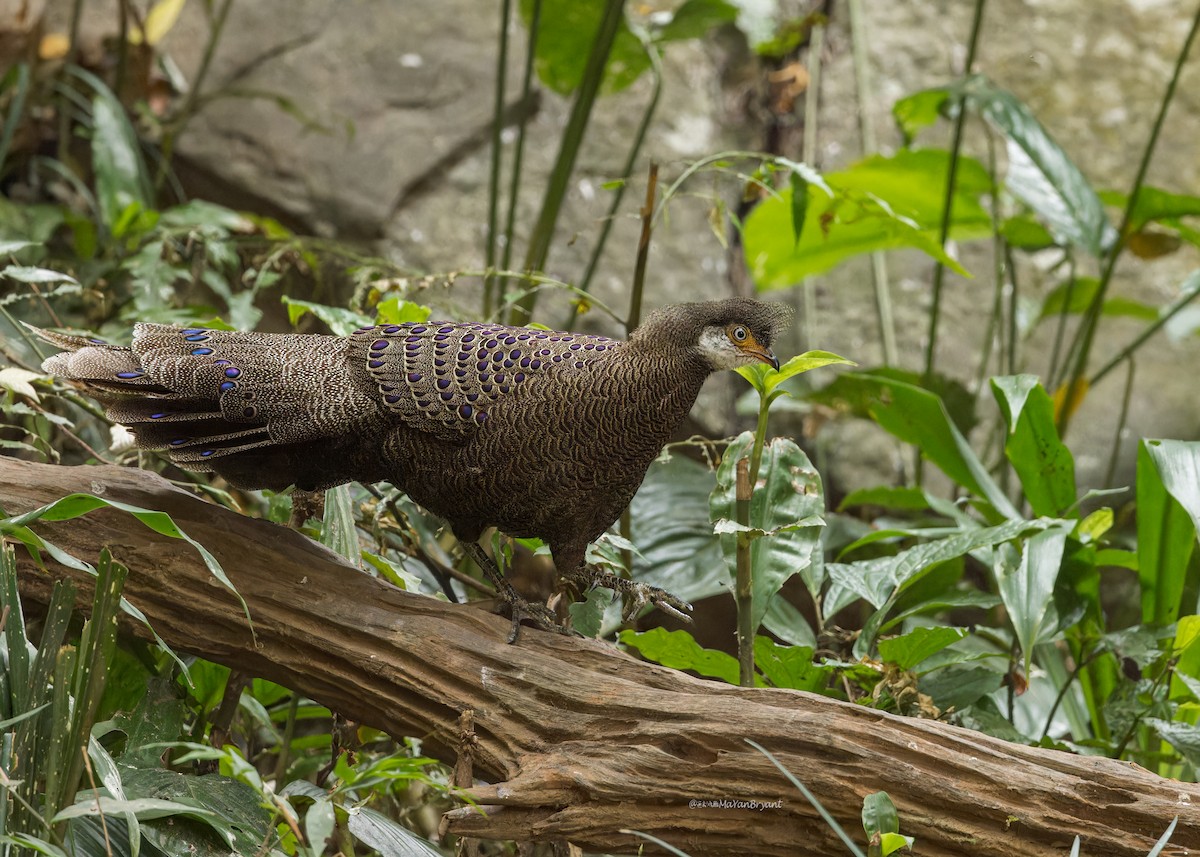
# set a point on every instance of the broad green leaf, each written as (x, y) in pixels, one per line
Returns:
(919, 417)
(18, 381)
(907, 567)
(789, 666)
(890, 843)
(1025, 233)
(1040, 173)
(27, 274)
(228, 808)
(214, 220)
(678, 650)
(1042, 461)
(1166, 527)
(1028, 587)
(388, 837)
(677, 549)
(565, 34)
(877, 204)
(319, 823)
(886, 497)
(918, 644)
(799, 204)
(960, 686)
(1075, 297)
(341, 321)
(1184, 737)
(879, 815)
(787, 500)
(37, 846)
(918, 111)
(141, 807)
(7, 248)
(398, 311)
(1153, 204)
(765, 378)
(787, 623)
(694, 19)
(587, 616)
(122, 186)
(339, 532)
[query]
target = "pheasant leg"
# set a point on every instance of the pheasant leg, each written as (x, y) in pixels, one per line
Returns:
(642, 594)
(539, 614)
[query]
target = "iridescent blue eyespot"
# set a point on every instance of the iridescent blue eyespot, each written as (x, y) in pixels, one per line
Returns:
(414, 377)
(443, 383)
(465, 410)
(220, 362)
(206, 453)
(199, 337)
(127, 376)
(380, 344)
(158, 416)
(419, 329)
(481, 417)
(447, 396)
(200, 352)
(447, 329)
(391, 400)
(179, 441)
(392, 328)
(232, 372)
(226, 386)
(374, 364)
(190, 331)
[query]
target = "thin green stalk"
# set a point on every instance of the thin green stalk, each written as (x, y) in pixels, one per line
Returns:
(989, 337)
(1014, 296)
(812, 103)
(64, 115)
(489, 282)
(1126, 398)
(184, 114)
(939, 271)
(635, 149)
(1179, 305)
(514, 188)
(1060, 331)
(745, 591)
(866, 128)
(1092, 318)
(572, 140)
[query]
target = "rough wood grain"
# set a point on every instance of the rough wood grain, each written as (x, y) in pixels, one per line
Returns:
(578, 740)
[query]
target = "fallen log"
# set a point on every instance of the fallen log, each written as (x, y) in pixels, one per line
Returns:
(576, 739)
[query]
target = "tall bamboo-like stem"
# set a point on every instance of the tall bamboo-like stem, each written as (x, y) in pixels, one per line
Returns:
(643, 251)
(635, 149)
(812, 103)
(939, 271)
(572, 140)
(866, 129)
(489, 250)
(514, 189)
(1091, 319)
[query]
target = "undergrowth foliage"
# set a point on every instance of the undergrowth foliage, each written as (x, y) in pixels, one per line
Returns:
(1014, 601)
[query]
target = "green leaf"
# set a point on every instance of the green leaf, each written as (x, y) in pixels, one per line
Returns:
(678, 650)
(1042, 461)
(799, 205)
(918, 111)
(890, 843)
(341, 321)
(1154, 205)
(879, 815)
(122, 186)
(958, 687)
(787, 500)
(789, 666)
(386, 836)
(566, 31)
(1028, 588)
(765, 378)
(1075, 297)
(1025, 233)
(677, 549)
(1040, 173)
(339, 532)
(1184, 737)
(26, 274)
(398, 311)
(587, 616)
(886, 497)
(1166, 525)
(877, 204)
(918, 644)
(919, 417)
(140, 807)
(694, 19)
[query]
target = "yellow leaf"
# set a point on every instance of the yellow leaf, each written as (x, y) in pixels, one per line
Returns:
(53, 46)
(1069, 401)
(159, 21)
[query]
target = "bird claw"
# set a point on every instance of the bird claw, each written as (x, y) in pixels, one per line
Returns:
(642, 594)
(539, 614)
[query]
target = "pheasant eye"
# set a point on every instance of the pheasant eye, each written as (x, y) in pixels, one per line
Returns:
(739, 333)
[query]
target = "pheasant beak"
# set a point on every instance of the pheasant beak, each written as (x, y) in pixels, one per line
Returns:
(761, 352)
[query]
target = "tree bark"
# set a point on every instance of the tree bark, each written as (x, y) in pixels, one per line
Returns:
(579, 740)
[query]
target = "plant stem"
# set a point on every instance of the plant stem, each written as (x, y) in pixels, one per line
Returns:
(572, 140)
(1060, 332)
(866, 129)
(639, 138)
(1126, 398)
(489, 282)
(643, 251)
(939, 271)
(1092, 317)
(1190, 292)
(744, 587)
(514, 190)
(187, 109)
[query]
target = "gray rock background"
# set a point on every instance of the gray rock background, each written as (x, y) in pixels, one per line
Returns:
(402, 94)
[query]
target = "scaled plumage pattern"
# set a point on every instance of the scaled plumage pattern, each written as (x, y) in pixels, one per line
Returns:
(539, 433)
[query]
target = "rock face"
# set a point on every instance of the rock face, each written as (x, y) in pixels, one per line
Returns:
(388, 142)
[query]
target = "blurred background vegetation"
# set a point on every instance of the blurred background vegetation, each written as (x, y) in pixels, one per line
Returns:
(991, 519)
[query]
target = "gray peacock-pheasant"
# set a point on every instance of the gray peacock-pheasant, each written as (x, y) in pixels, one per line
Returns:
(539, 433)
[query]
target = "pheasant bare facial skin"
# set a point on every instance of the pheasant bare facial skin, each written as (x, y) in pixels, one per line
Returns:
(536, 432)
